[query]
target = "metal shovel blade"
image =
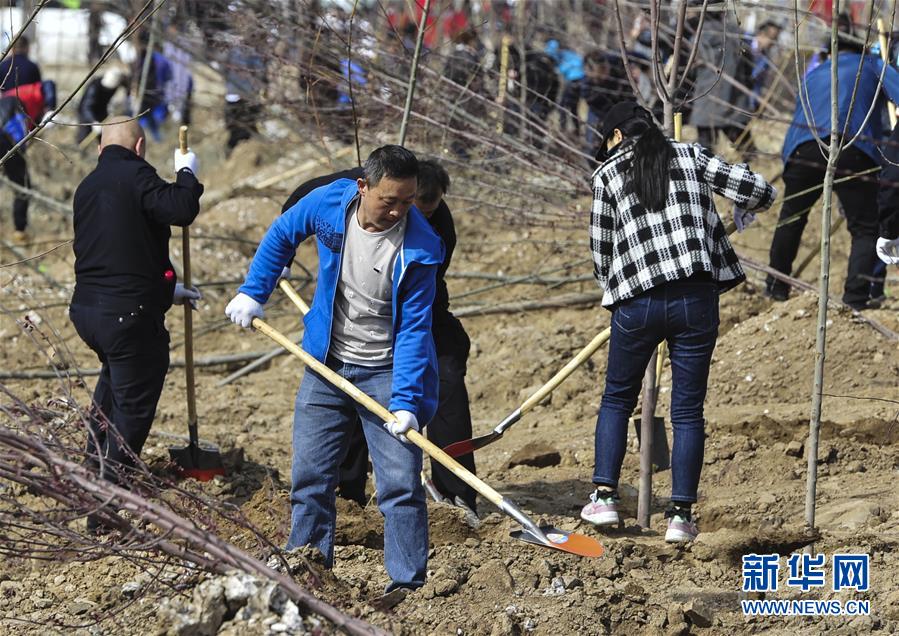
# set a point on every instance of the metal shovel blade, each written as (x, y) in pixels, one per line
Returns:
(457, 449)
(661, 454)
(197, 463)
(562, 540)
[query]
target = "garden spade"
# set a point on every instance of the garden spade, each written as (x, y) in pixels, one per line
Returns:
(465, 446)
(192, 461)
(547, 536)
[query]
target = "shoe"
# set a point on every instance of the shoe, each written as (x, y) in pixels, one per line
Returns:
(871, 303)
(602, 509)
(470, 516)
(20, 237)
(680, 530)
(776, 290)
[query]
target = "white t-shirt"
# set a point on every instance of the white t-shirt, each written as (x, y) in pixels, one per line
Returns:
(362, 329)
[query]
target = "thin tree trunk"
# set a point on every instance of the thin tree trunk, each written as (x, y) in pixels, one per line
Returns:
(410, 91)
(650, 388)
(823, 281)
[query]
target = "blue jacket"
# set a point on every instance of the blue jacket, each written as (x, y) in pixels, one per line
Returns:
(323, 213)
(817, 83)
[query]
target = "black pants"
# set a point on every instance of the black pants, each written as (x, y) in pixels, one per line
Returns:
(16, 170)
(133, 347)
(452, 423)
(805, 169)
(240, 120)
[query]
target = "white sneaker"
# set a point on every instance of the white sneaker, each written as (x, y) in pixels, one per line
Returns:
(680, 530)
(601, 511)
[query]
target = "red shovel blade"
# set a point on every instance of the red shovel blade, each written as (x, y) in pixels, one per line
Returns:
(561, 540)
(457, 449)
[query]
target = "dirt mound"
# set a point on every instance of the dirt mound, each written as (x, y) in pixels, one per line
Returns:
(769, 358)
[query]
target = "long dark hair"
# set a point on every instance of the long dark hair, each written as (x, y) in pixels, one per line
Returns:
(653, 153)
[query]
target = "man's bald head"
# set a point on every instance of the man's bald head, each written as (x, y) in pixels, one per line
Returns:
(122, 131)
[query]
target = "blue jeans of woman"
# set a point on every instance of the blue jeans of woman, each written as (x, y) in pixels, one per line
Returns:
(685, 313)
(324, 418)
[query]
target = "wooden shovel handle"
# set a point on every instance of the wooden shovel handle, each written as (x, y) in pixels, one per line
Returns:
(182, 139)
(351, 390)
(188, 317)
(567, 370)
(291, 293)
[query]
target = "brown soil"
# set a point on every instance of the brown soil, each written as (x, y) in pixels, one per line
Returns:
(481, 581)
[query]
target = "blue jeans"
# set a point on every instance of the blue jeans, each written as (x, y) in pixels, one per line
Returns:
(684, 313)
(324, 418)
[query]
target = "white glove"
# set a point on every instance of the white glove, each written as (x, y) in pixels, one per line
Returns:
(888, 251)
(285, 274)
(184, 295)
(242, 309)
(187, 160)
(743, 218)
(403, 423)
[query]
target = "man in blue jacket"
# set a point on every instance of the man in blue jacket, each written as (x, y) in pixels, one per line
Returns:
(370, 321)
(805, 162)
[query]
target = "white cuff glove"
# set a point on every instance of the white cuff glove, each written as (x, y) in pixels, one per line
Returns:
(242, 309)
(743, 218)
(403, 423)
(184, 295)
(888, 251)
(285, 274)
(187, 160)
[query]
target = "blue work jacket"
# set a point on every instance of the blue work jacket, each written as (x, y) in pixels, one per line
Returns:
(817, 88)
(323, 212)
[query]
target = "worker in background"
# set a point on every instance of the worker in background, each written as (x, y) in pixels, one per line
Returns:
(13, 128)
(94, 105)
(856, 186)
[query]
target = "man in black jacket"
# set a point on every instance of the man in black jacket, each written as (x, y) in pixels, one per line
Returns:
(124, 283)
(452, 423)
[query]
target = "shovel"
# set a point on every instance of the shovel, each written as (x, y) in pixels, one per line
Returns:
(297, 300)
(191, 460)
(470, 445)
(547, 536)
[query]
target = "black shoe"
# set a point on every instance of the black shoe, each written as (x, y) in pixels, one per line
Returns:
(870, 303)
(776, 290)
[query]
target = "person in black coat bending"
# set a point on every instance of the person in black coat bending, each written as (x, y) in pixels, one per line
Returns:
(94, 105)
(452, 423)
(124, 284)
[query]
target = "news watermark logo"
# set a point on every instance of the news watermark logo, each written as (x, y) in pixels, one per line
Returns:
(806, 572)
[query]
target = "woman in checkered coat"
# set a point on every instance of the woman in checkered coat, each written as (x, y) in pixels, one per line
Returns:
(662, 256)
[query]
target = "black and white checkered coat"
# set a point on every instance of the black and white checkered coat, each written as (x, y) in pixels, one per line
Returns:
(635, 249)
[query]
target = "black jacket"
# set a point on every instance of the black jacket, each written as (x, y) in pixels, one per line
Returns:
(123, 211)
(449, 335)
(94, 105)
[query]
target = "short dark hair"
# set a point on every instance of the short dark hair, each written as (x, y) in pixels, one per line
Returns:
(392, 161)
(21, 44)
(433, 181)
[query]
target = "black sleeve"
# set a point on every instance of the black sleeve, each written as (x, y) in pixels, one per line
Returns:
(312, 184)
(443, 224)
(88, 100)
(169, 203)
